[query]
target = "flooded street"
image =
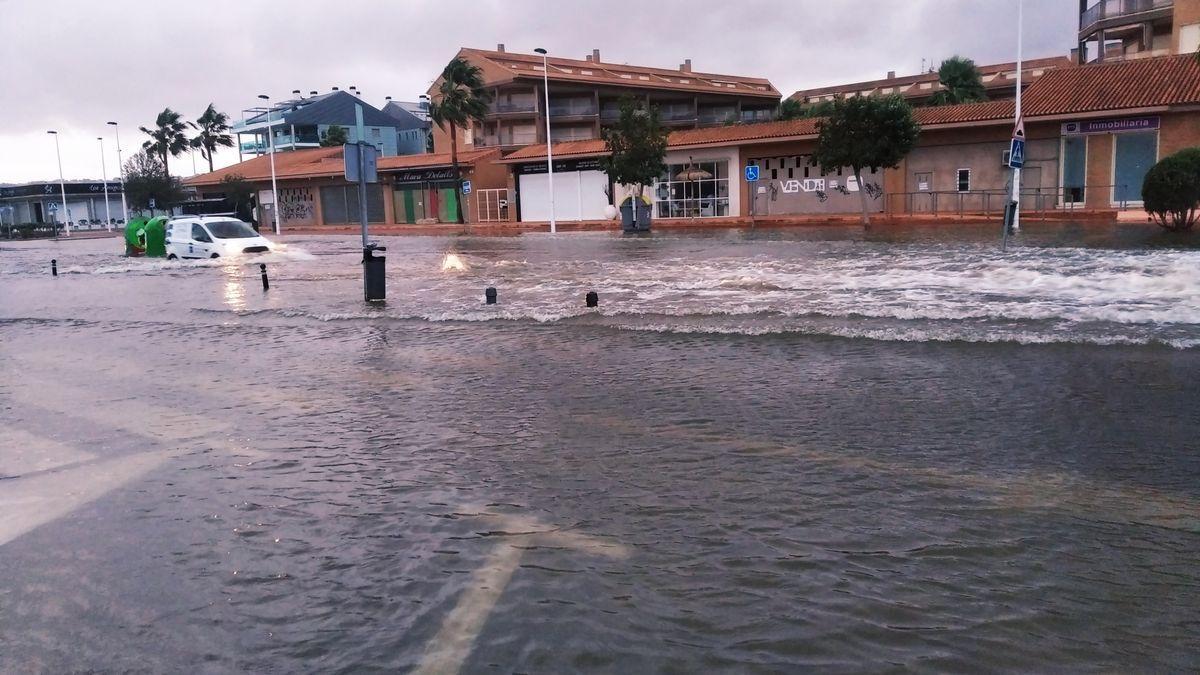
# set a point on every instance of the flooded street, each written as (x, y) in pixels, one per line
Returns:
(765, 451)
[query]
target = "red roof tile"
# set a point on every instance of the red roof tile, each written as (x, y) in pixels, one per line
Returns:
(326, 162)
(965, 112)
(502, 67)
(993, 76)
(1138, 83)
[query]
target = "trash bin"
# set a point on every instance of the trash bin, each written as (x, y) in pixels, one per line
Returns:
(642, 221)
(374, 274)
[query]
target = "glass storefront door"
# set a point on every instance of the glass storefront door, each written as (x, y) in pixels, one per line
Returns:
(1134, 155)
(1074, 175)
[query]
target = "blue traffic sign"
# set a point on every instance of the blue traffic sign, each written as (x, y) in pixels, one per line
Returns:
(466, 187)
(1016, 153)
(751, 173)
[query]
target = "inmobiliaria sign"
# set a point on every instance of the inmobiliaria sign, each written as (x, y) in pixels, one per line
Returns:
(1110, 126)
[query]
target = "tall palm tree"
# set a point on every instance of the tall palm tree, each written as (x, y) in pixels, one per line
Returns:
(167, 137)
(214, 133)
(961, 80)
(460, 100)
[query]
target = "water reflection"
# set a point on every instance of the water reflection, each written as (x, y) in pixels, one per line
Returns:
(235, 288)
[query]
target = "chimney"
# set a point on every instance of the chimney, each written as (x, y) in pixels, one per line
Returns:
(595, 56)
(500, 47)
(335, 88)
(387, 98)
(588, 58)
(686, 66)
(891, 75)
(312, 93)
(296, 93)
(423, 102)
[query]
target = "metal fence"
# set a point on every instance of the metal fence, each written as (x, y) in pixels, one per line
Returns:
(987, 202)
(491, 205)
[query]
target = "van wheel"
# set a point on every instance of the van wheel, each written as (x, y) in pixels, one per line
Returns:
(214, 256)
(172, 256)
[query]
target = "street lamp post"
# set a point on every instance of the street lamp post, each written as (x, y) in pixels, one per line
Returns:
(121, 170)
(549, 152)
(104, 177)
(274, 188)
(62, 185)
(1020, 123)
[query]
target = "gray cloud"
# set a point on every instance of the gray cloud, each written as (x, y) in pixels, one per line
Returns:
(74, 66)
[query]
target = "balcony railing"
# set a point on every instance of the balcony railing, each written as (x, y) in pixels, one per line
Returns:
(515, 107)
(676, 114)
(572, 108)
(1112, 9)
(717, 116)
(758, 115)
(510, 139)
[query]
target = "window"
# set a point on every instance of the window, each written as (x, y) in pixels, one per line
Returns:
(374, 132)
(198, 234)
(964, 180)
(705, 196)
(1133, 155)
(339, 204)
(1074, 169)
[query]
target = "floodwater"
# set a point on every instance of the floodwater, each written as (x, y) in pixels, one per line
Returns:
(821, 449)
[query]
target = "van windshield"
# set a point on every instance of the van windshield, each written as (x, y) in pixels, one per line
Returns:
(230, 229)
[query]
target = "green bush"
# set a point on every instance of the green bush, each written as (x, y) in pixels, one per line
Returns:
(1171, 190)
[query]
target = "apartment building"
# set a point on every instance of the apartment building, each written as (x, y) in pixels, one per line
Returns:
(302, 122)
(999, 79)
(585, 95)
(1130, 29)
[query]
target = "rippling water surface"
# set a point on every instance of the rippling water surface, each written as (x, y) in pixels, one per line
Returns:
(767, 451)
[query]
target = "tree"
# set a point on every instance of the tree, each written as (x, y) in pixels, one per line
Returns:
(790, 109)
(460, 100)
(214, 133)
(146, 178)
(637, 146)
(240, 195)
(168, 137)
(334, 136)
(865, 132)
(962, 82)
(1171, 191)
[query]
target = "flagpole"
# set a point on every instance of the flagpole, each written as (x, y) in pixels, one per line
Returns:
(1018, 122)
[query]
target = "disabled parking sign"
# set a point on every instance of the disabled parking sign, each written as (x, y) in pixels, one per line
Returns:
(751, 173)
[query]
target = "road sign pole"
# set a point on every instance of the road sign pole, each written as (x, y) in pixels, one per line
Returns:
(1016, 178)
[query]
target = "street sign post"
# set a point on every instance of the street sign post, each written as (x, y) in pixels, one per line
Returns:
(751, 173)
(1016, 153)
(360, 167)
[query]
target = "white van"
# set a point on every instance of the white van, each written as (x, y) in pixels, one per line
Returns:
(212, 237)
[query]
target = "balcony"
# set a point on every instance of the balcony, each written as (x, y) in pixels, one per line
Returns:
(1111, 13)
(507, 139)
(717, 116)
(610, 114)
(514, 108)
(575, 108)
(765, 115)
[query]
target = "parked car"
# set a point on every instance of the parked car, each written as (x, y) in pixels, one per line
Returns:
(219, 237)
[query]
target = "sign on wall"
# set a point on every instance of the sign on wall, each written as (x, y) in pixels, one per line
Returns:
(426, 175)
(1110, 126)
(561, 165)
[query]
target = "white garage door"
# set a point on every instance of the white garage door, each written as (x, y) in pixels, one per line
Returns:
(578, 195)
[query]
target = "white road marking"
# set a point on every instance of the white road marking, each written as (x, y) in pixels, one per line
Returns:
(22, 452)
(30, 502)
(449, 649)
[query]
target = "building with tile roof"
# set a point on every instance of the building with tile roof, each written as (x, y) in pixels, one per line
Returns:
(585, 95)
(1117, 30)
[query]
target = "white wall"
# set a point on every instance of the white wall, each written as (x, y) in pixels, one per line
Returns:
(578, 195)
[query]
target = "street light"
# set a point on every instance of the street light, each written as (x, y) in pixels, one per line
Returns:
(121, 170)
(62, 185)
(274, 189)
(549, 152)
(104, 177)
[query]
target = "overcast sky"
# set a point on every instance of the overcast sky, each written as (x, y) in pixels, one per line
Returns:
(73, 65)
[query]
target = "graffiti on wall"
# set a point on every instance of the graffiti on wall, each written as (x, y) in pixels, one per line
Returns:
(295, 204)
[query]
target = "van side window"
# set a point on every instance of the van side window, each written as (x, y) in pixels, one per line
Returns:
(199, 234)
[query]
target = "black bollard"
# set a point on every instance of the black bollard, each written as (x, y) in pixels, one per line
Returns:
(263, 268)
(592, 299)
(54, 267)
(489, 296)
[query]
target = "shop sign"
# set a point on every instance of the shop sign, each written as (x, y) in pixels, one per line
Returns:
(1110, 126)
(426, 175)
(54, 189)
(562, 166)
